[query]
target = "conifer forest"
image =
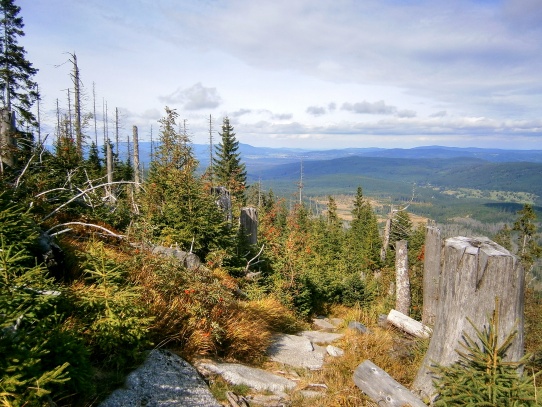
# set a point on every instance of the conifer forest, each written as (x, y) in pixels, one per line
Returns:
(103, 259)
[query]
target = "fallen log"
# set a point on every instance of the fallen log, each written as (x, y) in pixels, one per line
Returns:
(382, 388)
(409, 325)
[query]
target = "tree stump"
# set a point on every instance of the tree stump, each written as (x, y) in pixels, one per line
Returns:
(431, 274)
(402, 281)
(475, 271)
(249, 223)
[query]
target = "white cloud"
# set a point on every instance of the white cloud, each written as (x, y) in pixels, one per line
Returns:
(365, 107)
(196, 97)
(316, 110)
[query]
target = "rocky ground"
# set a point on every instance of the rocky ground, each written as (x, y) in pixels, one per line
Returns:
(167, 380)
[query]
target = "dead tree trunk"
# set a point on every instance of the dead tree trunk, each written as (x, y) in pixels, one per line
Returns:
(382, 388)
(431, 274)
(386, 240)
(136, 158)
(475, 271)
(109, 167)
(249, 223)
(77, 106)
(8, 144)
(402, 281)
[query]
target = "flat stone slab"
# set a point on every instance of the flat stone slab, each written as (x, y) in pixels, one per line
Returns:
(323, 324)
(321, 337)
(297, 351)
(334, 351)
(163, 380)
(254, 378)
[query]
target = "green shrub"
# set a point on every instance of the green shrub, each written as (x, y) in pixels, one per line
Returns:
(481, 376)
(113, 321)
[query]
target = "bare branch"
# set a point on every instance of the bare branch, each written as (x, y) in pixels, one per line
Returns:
(24, 170)
(83, 193)
(249, 263)
(86, 225)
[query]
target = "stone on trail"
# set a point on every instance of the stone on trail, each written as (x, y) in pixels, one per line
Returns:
(296, 351)
(336, 321)
(334, 351)
(358, 326)
(323, 324)
(164, 379)
(321, 337)
(254, 378)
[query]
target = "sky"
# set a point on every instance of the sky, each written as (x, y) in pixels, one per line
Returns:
(313, 74)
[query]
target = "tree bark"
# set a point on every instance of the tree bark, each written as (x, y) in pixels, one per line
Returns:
(475, 271)
(7, 140)
(431, 274)
(249, 222)
(402, 281)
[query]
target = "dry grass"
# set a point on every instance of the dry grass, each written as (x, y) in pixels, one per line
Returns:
(197, 314)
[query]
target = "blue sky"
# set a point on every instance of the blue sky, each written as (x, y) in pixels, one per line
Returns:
(301, 73)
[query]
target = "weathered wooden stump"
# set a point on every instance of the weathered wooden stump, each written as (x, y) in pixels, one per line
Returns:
(475, 271)
(402, 281)
(382, 388)
(249, 223)
(431, 274)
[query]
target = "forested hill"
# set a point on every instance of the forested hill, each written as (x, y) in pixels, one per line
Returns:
(451, 172)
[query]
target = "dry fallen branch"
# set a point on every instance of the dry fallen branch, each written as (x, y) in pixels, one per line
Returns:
(86, 225)
(85, 192)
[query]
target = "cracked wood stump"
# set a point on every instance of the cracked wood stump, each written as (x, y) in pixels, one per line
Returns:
(475, 271)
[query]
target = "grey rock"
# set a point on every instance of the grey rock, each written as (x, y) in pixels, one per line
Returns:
(358, 326)
(188, 260)
(334, 351)
(336, 321)
(321, 337)
(296, 351)
(383, 321)
(163, 380)
(257, 379)
(323, 324)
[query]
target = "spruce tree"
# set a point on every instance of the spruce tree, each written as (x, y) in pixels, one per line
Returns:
(228, 169)
(363, 237)
(16, 72)
(175, 206)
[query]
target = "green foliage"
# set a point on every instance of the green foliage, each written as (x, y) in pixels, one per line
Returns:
(481, 376)
(228, 169)
(528, 248)
(16, 72)
(175, 208)
(113, 321)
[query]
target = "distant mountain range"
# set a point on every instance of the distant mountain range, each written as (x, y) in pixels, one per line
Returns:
(265, 157)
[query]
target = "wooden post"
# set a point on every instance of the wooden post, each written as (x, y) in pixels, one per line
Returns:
(431, 274)
(249, 222)
(475, 271)
(402, 281)
(382, 388)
